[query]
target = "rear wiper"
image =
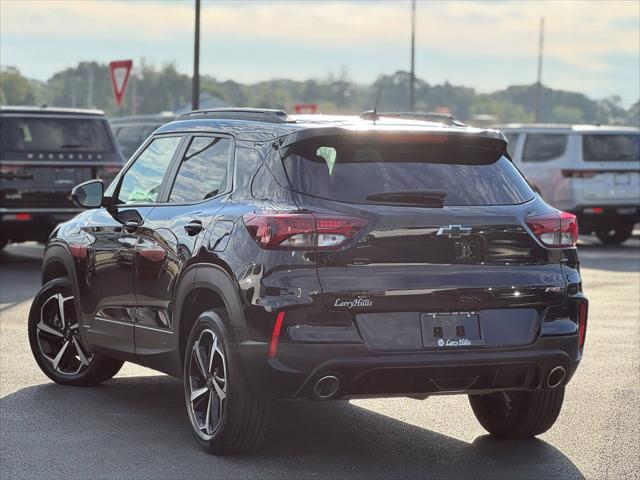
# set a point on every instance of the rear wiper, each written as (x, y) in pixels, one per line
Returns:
(73, 145)
(429, 198)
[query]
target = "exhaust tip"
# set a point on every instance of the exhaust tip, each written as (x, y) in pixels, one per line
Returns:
(556, 376)
(326, 387)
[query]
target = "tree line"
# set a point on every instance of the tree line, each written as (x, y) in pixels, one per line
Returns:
(154, 89)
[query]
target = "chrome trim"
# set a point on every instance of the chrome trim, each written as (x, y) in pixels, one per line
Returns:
(40, 210)
(162, 330)
(129, 324)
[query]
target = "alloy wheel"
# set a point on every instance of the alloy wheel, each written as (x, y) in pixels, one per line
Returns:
(207, 384)
(58, 336)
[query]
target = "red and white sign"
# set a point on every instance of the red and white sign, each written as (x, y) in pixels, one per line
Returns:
(306, 107)
(119, 72)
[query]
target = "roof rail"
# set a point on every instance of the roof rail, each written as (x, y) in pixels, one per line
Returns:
(424, 116)
(254, 114)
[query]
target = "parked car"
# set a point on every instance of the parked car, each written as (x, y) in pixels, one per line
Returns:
(590, 171)
(264, 257)
(132, 131)
(44, 153)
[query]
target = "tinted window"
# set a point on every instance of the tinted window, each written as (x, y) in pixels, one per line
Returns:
(352, 172)
(46, 134)
(610, 148)
(541, 147)
(203, 170)
(142, 181)
(129, 138)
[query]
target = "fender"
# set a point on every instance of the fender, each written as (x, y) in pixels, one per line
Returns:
(217, 279)
(204, 275)
(59, 252)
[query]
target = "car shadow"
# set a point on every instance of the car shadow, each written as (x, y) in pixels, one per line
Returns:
(19, 273)
(136, 427)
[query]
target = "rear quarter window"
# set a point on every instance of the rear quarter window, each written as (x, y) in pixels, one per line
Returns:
(611, 148)
(352, 172)
(542, 147)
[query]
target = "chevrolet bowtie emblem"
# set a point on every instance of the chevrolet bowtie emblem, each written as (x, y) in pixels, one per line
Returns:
(453, 231)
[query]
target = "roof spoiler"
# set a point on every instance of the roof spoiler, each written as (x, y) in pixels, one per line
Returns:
(251, 114)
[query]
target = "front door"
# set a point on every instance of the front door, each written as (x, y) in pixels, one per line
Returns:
(171, 237)
(107, 294)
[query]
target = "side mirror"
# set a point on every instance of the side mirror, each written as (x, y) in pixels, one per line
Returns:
(88, 194)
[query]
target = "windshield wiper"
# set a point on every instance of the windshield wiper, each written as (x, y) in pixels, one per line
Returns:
(427, 198)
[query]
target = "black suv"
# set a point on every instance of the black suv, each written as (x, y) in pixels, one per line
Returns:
(259, 256)
(44, 153)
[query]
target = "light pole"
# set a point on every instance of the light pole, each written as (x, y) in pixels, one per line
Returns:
(412, 80)
(539, 82)
(195, 86)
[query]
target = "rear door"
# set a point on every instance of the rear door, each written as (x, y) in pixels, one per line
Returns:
(44, 156)
(419, 258)
(610, 168)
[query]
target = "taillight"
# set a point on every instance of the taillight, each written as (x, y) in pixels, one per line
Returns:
(275, 335)
(559, 229)
(579, 173)
(290, 230)
(582, 323)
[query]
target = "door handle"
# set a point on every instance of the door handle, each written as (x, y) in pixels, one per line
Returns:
(130, 226)
(194, 227)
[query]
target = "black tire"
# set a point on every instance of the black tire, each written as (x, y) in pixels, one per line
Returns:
(3, 242)
(41, 338)
(524, 414)
(614, 235)
(242, 424)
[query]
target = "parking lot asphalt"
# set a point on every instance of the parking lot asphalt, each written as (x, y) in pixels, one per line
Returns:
(135, 426)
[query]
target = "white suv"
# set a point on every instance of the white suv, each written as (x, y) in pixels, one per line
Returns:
(590, 171)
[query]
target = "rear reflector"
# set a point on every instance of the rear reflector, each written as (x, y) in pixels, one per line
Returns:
(20, 217)
(275, 335)
(290, 230)
(579, 173)
(558, 229)
(594, 210)
(582, 324)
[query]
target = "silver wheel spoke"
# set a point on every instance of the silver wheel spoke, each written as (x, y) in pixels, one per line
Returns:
(61, 309)
(219, 391)
(199, 361)
(81, 355)
(207, 419)
(46, 328)
(56, 361)
(197, 393)
(75, 326)
(214, 349)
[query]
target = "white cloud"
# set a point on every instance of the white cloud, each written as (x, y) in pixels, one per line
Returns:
(588, 35)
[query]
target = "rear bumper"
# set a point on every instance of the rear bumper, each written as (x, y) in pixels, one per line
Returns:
(364, 373)
(32, 223)
(591, 217)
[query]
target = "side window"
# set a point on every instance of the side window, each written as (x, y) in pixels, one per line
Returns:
(512, 141)
(541, 147)
(202, 172)
(142, 181)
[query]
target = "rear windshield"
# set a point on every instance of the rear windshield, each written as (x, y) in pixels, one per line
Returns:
(352, 172)
(611, 148)
(49, 134)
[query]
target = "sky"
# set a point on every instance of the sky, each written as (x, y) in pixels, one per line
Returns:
(592, 47)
